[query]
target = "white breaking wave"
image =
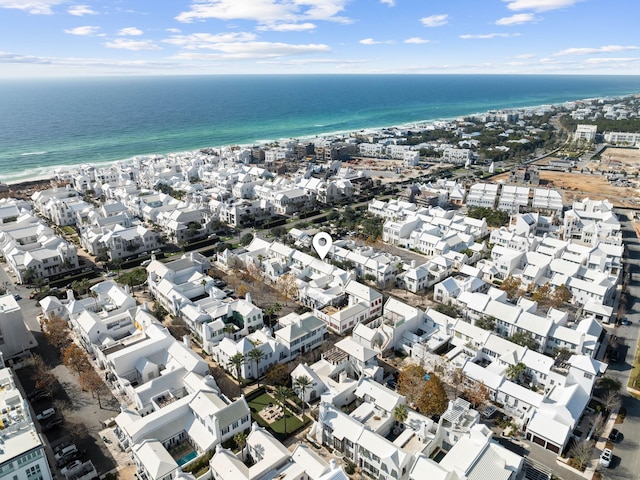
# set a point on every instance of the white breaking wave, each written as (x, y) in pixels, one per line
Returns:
(33, 153)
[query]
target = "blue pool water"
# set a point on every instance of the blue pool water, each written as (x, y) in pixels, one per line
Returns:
(187, 458)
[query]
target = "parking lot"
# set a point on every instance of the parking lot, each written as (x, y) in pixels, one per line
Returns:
(69, 414)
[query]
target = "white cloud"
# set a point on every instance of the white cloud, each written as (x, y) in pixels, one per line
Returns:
(371, 41)
(591, 51)
(599, 61)
(517, 19)
(35, 7)
(435, 20)
(287, 27)
(81, 10)
(416, 40)
(526, 55)
(125, 44)
(246, 50)
(490, 35)
(311, 61)
(198, 41)
(265, 11)
(173, 30)
(539, 5)
(83, 31)
(391, 3)
(130, 32)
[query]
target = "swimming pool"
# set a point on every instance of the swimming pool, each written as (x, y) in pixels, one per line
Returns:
(187, 458)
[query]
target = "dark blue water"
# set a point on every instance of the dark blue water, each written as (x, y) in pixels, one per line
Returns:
(46, 123)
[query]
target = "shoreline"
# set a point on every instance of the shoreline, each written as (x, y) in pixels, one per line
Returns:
(39, 181)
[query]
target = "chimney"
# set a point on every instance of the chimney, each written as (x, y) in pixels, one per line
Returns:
(70, 295)
(187, 340)
(248, 297)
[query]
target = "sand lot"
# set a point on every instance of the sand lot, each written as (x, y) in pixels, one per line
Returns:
(595, 184)
(618, 159)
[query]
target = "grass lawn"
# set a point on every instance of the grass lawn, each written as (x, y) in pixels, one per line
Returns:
(260, 402)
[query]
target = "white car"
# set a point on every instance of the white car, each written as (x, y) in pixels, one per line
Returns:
(49, 412)
(70, 467)
(605, 458)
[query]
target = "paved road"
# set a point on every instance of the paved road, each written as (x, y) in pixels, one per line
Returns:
(626, 463)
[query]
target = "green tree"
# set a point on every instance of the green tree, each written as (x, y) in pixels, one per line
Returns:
(236, 362)
(302, 383)
(246, 239)
(609, 384)
(524, 339)
(256, 355)
(433, 397)
(486, 323)
(400, 413)
(82, 285)
(228, 329)
(515, 371)
(240, 439)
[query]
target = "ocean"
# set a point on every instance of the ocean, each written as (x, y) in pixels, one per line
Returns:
(49, 123)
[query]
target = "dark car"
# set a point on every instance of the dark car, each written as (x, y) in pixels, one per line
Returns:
(614, 356)
(17, 297)
(51, 424)
(614, 435)
(38, 395)
(625, 321)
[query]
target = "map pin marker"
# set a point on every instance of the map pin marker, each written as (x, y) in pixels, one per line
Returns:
(322, 243)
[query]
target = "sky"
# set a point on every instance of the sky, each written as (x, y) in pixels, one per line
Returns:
(186, 37)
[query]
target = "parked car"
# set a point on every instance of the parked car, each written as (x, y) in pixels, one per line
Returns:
(605, 458)
(58, 448)
(625, 321)
(614, 356)
(68, 450)
(219, 283)
(51, 424)
(613, 436)
(49, 412)
(71, 466)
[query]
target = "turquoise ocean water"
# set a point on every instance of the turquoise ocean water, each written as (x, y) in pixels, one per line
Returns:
(47, 123)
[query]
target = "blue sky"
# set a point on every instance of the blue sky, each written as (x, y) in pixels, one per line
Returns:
(162, 37)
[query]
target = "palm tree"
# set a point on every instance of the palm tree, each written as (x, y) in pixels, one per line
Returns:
(514, 371)
(256, 355)
(302, 383)
(281, 395)
(237, 361)
(400, 413)
(228, 329)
